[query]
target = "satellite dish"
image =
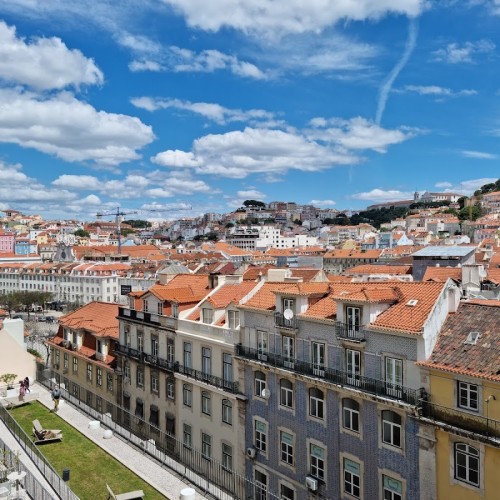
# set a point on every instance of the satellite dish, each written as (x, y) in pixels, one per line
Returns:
(288, 313)
(266, 393)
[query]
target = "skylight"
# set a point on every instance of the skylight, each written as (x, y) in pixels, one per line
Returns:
(472, 338)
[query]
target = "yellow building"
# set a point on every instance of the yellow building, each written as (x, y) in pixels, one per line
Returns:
(463, 377)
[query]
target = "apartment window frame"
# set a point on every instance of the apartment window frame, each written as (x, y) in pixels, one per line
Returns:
(188, 354)
(316, 403)
(155, 346)
(392, 488)
(468, 454)
(260, 435)
(90, 371)
(139, 376)
(170, 388)
(286, 393)
(260, 383)
(392, 429)
(351, 415)
(233, 319)
(154, 379)
(227, 411)
(109, 382)
(187, 436)
(206, 403)
(317, 461)
(98, 376)
(468, 396)
(75, 364)
(187, 395)
(170, 351)
(207, 315)
(227, 368)
(227, 457)
(351, 477)
(260, 484)
(206, 446)
(287, 492)
(140, 341)
(287, 445)
(206, 361)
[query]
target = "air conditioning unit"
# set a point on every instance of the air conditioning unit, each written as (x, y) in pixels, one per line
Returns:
(251, 452)
(312, 483)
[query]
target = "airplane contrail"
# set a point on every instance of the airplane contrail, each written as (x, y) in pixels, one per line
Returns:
(411, 41)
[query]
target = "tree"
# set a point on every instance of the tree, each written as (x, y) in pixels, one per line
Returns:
(254, 203)
(212, 236)
(8, 378)
(138, 224)
(470, 213)
(81, 233)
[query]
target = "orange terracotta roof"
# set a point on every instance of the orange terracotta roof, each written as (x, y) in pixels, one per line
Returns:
(99, 318)
(453, 354)
(377, 269)
(253, 272)
(324, 308)
(230, 293)
(369, 295)
(353, 254)
(442, 274)
(265, 298)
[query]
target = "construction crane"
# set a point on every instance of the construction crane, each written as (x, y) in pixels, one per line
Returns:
(118, 214)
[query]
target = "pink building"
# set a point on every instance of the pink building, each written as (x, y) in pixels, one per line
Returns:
(7, 240)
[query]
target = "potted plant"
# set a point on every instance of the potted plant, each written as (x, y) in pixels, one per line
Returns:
(8, 378)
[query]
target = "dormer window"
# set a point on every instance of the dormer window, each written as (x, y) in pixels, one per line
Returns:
(207, 315)
(353, 319)
(159, 308)
(145, 305)
(175, 310)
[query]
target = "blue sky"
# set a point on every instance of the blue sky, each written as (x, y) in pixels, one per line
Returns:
(162, 105)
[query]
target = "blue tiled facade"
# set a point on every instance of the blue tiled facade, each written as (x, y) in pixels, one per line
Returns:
(365, 447)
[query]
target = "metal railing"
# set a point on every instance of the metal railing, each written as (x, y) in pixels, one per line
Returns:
(346, 331)
(462, 420)
(33, 487)
(211, 476)
(174, 366)
(145, 317)
(338, 377)
(281, 322)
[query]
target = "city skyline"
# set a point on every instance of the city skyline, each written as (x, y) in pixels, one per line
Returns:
(177, 104)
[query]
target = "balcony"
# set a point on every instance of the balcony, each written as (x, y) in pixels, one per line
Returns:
(461, 420)
(128, 351)
(349, 332)
(218, 382)
(157, 362)
(287, 324)
(338, 377)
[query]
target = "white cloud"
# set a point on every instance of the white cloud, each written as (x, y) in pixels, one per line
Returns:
(455, 53)
(138, 43)
(436, 91)
(382, 195)
(145, 65)
(294, 16)
(465, 188)
(70, 129)
(479, 155)
(80, 182)
(251, 194)
(322, 203)
(45, 63)
(208, 61)
(443, 185)
(212, 111)
(238, 154)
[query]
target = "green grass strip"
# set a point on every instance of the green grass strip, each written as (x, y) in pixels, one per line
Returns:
(90, 466)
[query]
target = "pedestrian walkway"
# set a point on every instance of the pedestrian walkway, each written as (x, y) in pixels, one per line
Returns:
(160, 478)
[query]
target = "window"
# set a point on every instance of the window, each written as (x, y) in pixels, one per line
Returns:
(350, 414)
(318, 358)
(353, 320)
(227, 411)
(65, 366)
(260, 485)
(262, 344)
(352, 483)
(288, 350)
(288, 304)
(227, 457)
(99, 376)
(145, 305)
(353, 364)
(286, 446)
(233, 319)
(154, 345)
(170, 351)
(207, 315)
(170, 388)
(206, 403)
(75, 364)
(286, 493)
(187, 436)
(139, 408)
(175, 310)
(467, 464)
(227, 369)
(187, 395)
(140, 341)
(316, 403)
(126, 370)
(155, 382)
(98, 404)
(392, 488)
(391, 428)
(393, 376)
(468, 396)
(109, 382)
(206, 361)
(260, 383)
(206, 446)
(261, 435)
(140, 376)
(286, 393)
(127, 338)
(188, 355)
(159, 308)
(317, 461)
(89, 372)
(154, 416)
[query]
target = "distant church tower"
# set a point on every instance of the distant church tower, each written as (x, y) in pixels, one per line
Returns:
(416, 196)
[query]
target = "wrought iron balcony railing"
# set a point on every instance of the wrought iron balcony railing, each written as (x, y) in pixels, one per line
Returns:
(478, 424)
(144, 317)
(281, 322)
(174, 366)
(218, 382)
(339, 377)
(349, 332)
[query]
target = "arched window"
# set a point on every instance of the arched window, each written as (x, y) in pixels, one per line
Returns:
(391, 428)
(286, 393)
(350, 414)
(467, 464)
(316, 403)
(260, 383)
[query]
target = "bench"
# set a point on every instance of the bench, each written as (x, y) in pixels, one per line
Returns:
(13, 401)
(124, 496)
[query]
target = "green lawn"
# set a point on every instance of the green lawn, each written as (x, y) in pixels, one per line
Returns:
(91, 467)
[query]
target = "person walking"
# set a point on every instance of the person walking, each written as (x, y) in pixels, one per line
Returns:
(22, 391)
(56, 395)
(27, 384)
